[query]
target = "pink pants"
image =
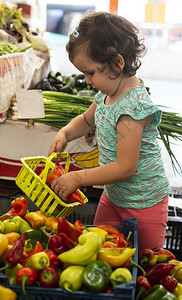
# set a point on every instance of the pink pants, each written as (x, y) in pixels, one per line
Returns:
(151, 221)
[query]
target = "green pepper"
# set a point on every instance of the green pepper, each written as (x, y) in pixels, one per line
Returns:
(2, 227)
(35, 235)
(11, 226)
(71, 278)
(11, 273)
(159, 292)
(119, 276)
(23, 225)
(96, 276)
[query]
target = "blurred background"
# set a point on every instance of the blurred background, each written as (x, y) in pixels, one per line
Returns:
(159, 21)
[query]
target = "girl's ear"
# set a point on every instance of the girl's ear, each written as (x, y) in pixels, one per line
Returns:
(120, 61)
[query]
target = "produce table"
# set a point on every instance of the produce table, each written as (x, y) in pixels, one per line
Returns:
(19, 140)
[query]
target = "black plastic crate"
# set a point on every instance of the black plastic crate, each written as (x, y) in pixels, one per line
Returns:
(174, 211)
(173, 236)
(124, 291)
(176, 192)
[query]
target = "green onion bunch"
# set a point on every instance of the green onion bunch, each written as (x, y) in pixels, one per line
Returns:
(60, 108)
(170, 128)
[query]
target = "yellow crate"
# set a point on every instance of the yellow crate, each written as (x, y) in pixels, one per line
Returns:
(32, 181)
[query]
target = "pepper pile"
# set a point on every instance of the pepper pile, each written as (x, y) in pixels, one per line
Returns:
(36, 250)
(162, 276)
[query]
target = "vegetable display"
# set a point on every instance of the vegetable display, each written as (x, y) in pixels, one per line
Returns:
(13, 22)
(55, 253)
(73, 257)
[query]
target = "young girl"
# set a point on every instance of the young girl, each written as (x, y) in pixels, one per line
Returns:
(106, 48)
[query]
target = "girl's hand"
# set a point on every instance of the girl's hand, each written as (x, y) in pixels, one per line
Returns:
(59, 143)
(66, 184)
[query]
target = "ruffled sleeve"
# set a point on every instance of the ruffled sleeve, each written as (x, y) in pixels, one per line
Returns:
(138, 105)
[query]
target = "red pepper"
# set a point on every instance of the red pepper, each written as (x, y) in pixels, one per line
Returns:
(116, 235)
(163, 255)
(142, 287)
(72, 232)
(110, 229)
(61, 242)
(147, 257)
(109, 244)
(59, 171)
(26, 276)
(54, 260)
(38, 248)
(118, 240)
(49, 277)
(56, 243)
(157, 272)
(170, 282)
(15, 253)
(19, 207)
(78, 224)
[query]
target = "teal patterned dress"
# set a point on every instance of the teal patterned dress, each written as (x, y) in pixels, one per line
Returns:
(149, 185)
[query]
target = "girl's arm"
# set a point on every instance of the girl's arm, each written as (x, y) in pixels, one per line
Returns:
(76, 128)
(129, 140)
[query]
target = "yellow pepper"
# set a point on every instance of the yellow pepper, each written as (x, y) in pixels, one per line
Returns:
(3, 256)
(12, 237)
(84, 252)
(178, 290)
(3, 243)
(115, 257)
(11, 225)
(178, 275)
(51, 225)
(38, 261)
(102, 233)
(2, 227)
(36, 219)
(119, 276)
(7, 293)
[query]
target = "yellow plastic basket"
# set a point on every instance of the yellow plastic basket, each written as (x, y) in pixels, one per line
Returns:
(32, 181)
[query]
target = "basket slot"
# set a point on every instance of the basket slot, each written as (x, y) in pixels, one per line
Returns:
(42, 196)
(49, 204)
(33, 165)
(26, 182)
(22, 177)
(34, 184)
(37, 193)
(65, 212)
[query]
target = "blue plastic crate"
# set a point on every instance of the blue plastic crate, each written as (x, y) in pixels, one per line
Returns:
(124, 291)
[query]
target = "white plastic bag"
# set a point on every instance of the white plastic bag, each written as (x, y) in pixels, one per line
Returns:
(15, 74)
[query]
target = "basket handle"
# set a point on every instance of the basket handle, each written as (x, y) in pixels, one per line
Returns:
(49, 163)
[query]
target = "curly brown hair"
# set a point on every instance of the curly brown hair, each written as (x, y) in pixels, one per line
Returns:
(105, 35)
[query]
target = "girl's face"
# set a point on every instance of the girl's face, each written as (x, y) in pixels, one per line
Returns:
(100, 80)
